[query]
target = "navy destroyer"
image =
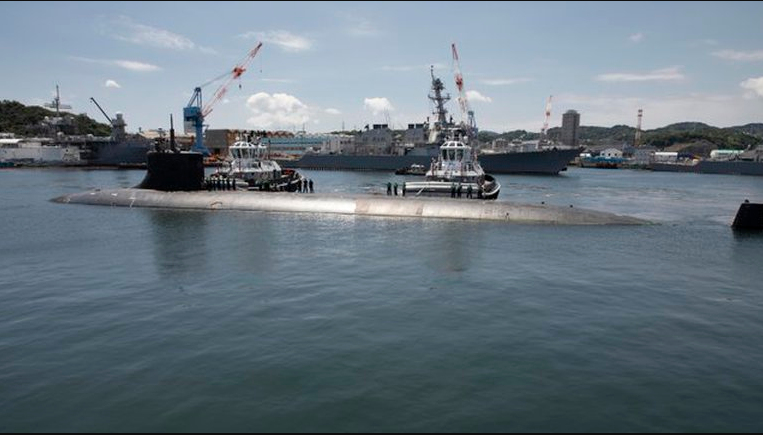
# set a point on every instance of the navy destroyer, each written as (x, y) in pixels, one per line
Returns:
(548, 160)
(120, 149)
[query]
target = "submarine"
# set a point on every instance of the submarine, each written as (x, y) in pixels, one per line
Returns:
(175, 180)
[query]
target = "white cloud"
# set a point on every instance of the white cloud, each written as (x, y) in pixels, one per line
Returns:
(476, 96)
(332, 111)
(287, 41)
(636, 37)
(126, 30)
(207, 50)
(505, 82)
(739, 55)
(131, 65)
(665, 74)
(276, 110)
(378, 105)
(112, 84)
(135, 66)
(754, 84)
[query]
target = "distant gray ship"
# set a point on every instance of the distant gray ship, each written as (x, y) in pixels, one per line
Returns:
(749, 163)
(60, 143)
(738, 167)
(545, 161)
(119, 149)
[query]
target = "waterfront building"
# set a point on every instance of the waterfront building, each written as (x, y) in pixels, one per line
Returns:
(570, 128)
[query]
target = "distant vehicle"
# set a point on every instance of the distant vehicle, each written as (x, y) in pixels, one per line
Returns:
(414, 169)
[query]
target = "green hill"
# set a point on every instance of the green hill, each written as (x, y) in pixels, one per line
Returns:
(673, 135)
(25, 120)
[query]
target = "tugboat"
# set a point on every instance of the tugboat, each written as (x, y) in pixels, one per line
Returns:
(249, 168)
(455, 173)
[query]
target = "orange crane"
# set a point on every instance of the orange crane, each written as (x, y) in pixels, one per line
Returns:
(194, 113)
(463, 102)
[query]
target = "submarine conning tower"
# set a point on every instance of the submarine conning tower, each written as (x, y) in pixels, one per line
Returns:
(174, 171)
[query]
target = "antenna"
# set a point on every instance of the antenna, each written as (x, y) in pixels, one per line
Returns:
(172, 135)
(56, 103)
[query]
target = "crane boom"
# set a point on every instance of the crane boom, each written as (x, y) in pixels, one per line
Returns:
(111, 122)
(463, 102)
(467, 114)
(234, 74)
(195, 112)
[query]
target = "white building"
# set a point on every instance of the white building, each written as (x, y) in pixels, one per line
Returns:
(665, 157)
(644, 155)
(611, 153)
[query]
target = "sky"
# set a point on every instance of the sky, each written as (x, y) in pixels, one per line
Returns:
(323, 65)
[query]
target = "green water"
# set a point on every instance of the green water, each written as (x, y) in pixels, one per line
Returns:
(117, 319)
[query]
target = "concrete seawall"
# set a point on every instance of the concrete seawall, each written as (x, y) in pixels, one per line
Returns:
(363, 205)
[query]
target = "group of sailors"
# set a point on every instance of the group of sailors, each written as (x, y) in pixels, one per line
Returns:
(305, 186)
(219, 183)
(391, 189)
(456, 190)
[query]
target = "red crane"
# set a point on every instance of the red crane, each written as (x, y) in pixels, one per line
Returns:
(194, 113)
(466, 111)
(234, 74)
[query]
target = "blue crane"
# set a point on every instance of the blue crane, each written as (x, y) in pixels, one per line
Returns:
(195, 112)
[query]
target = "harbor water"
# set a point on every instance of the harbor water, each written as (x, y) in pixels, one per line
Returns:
(119, 319)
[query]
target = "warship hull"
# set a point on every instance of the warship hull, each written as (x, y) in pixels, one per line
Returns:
(738, 167)
(544, 162)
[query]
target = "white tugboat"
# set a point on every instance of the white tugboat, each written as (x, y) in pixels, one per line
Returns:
(248, 167)
(455, 173)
